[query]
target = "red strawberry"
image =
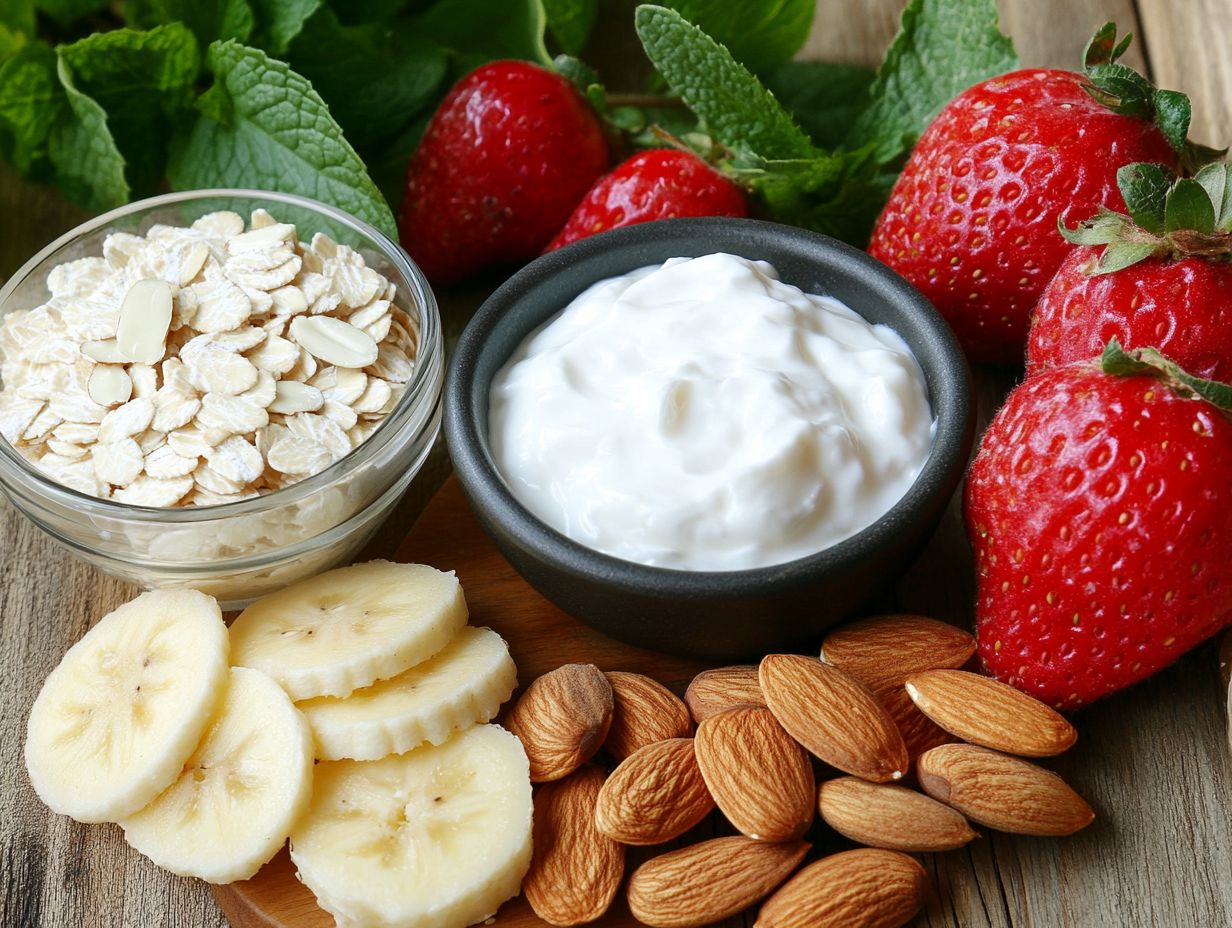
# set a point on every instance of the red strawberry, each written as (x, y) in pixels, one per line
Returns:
(1100, 510)
(972, 219)
(1143, 284)
(660, 184)
(510, 152)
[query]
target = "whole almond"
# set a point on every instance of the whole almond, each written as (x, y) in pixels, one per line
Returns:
(833, 715)
(656, 794)
(868, 887)
(892, 817)
(710, 881)
(1002, 792)
(760, 778)
(562, 719)
(723, 688)
(575, 871)
(920, 733)
(889, 648)
(987, 712)
(646, 711)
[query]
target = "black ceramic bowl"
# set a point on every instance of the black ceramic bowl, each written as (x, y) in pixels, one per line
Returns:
(715, 615)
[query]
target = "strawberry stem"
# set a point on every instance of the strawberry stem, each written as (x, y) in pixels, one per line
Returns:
(1121, 363)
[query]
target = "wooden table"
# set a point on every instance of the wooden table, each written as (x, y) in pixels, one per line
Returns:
(1154, 761)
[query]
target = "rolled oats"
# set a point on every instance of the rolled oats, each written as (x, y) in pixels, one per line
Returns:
(205, 365)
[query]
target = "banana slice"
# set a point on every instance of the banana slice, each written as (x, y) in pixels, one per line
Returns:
(461, 686)
(350, 627)
(237, 797)
(436, 838)
(115, 721)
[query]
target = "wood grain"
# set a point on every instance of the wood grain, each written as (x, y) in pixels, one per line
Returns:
(1153, 761)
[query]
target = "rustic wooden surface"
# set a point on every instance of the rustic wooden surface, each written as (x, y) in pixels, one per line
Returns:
(1153, 761)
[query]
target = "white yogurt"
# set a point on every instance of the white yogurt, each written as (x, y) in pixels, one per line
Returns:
(704, 415)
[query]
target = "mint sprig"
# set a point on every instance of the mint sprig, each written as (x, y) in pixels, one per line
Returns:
(263, 126)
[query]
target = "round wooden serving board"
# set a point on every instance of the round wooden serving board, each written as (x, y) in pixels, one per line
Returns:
(540, 637)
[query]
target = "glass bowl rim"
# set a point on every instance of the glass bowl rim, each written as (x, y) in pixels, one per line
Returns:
(417, 392)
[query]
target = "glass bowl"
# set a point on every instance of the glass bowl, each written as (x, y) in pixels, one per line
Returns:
(239, 551)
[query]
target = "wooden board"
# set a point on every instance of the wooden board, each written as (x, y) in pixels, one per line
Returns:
(540, 637)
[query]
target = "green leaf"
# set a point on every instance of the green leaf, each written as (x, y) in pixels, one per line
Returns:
(280, 21)
(942, 48)
(30, 102)
(1101, 229)
(1216, 180)
(144, 82)
(18, 16)
(571, 21)
(359, 12)
(1117, 361)
(1189, 207)
(1172, 114)
(731, 103)
(207, 19)
(11, 41)
(759, 35)
(376, 80)
(65, 11)
(1120, 255)
(824, 99)
(483, 30)
(1144, 188)
(89, 166)
(278, 135)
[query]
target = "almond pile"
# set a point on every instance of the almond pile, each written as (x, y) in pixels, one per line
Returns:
(886, 703)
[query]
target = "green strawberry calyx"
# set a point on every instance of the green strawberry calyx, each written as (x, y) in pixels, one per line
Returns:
(1117, 361)
(1169, 217)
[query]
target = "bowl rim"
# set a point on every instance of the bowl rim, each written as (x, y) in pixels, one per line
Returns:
(950, 393)
(419, 388)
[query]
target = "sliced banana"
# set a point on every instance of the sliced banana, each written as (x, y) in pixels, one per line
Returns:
(463, 685)
(348, 628)
(436, 838)
(115, 721)
(235, 801)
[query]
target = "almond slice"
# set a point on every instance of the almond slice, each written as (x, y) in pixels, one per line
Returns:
(868, 887)
(145, 316)
(710, 881)
(987, 712)
(656, 794)
(575, 871)
(889, 648)
(892, 817)
(1002, 792)
(562, 719)
(715, 691)
(334, 341)
(760, 778)
(834, 716)
(645, 711)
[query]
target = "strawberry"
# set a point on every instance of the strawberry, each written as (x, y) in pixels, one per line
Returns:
(506, 157)
(1100, 510)
(972, 219)
(663, 183)
(1135, 279)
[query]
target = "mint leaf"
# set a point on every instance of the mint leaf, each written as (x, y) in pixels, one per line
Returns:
(264, 126)
(18, 16)
(731, 103)
(281, 21)
(207, 19)
(11, 41)
(30, 102)
(65, 11)
(143, 81)
(570, 22)
(482, 30)
(942, 48)
(759, 35)
(824, 99)
(359, 12)
(89, 166)
(838, 194)
(376, 80)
